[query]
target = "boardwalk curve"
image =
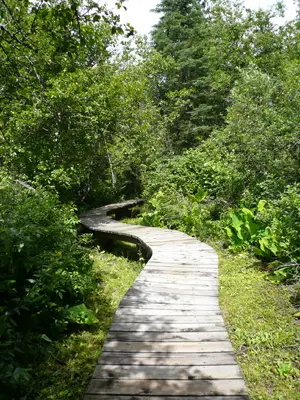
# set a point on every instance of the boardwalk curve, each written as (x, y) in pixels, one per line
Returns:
(168, 339)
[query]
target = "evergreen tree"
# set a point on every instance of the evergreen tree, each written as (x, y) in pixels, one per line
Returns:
(180, 34)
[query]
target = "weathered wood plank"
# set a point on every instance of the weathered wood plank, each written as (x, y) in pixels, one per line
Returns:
(174, 319)
(156, 311)
(184, 298)
(156, 327)
(180, 286)
(137, 289)
(174, 347)
(183, 270)
(114, 397)
(168, 336)
(185, 281)
(182, 307)
(165, 300)
(179, 359)
(167, 372)
(175, 272)
(167, 387)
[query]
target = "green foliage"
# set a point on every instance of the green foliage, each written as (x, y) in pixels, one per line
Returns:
(88, 135)
(67, 369)
(44, 271)
(202, 167)
(81, 315)
(181, 33)
(191, 214)
(250, 161)
(77, 114)
(272, 232)
(259, 135)
(238, 37)
(41, 39)
(245, 231)
(263, 332)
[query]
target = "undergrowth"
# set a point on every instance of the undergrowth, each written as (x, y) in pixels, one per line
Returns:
(264, 334)
(68, 365)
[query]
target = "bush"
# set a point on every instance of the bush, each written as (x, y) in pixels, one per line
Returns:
(192, 214)
(203, 167)
(271, 230)
(44, 271)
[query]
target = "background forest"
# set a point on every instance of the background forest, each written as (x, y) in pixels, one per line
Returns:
(202, 121)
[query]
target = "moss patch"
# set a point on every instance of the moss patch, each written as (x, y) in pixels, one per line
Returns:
(69, 364)
(264, 334)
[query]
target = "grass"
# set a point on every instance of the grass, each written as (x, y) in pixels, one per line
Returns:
(262, 329)
(67, 368)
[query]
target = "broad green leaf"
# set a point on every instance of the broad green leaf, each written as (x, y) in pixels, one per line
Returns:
(81, 315)
(200, 195)
(229, 232)
(261, 205)
(46, 338)
(297, 315)
(237, 223)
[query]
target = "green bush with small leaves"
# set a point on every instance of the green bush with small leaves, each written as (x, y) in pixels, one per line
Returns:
(45, 270)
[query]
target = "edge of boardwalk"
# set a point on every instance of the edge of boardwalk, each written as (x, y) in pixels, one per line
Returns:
(168, 339)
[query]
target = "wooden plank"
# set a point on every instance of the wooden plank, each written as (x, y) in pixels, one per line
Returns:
(145, 305)
(174, 319)
(114, 397)
(174, 347)
(180, 301)
(191, 287)
(156, 327)
(145, 274)
(183, 359)
(175, 273)
(180, 264)
(137, 289)
(168, 387)
(184, 299)
(181, 307)
(154, 311)
(167, 372)
(182, 269)
(186, 281)
(168, 336)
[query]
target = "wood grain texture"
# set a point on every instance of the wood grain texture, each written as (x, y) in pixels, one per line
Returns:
(169, 347)
(168, 336)
(168, 340)
(167, 359)
(167, 372)
(114, 397)
(164, 387)
(164, 327)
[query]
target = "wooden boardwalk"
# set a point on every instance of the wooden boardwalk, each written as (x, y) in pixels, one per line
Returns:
(168, 339)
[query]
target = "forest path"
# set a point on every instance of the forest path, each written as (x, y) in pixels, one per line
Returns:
(168, 339)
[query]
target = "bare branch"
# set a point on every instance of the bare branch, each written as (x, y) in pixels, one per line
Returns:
(24, 184)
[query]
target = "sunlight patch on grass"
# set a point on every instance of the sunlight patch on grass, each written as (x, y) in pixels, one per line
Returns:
(69, 364)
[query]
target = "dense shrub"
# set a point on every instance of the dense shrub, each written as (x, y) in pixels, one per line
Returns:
(44, 271)
(203, 168)
(194, 214)
(271, 231)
